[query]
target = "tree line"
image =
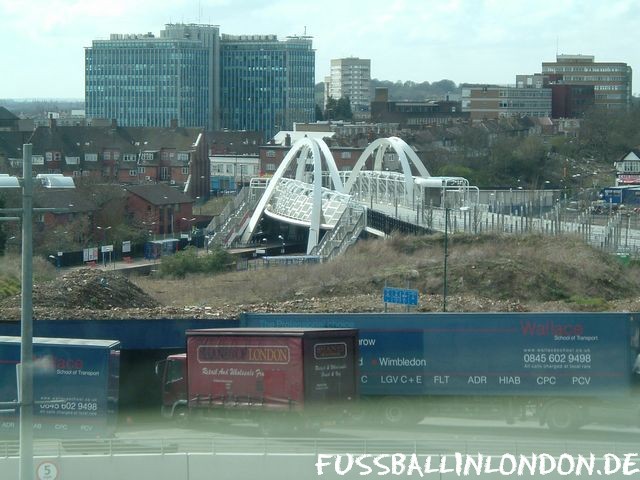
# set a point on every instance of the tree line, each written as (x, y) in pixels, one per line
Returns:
(513, 158)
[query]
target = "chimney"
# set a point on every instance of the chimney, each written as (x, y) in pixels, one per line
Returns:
(287, 140)
(52, 122)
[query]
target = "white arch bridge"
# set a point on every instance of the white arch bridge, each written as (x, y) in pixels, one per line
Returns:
(309, 190)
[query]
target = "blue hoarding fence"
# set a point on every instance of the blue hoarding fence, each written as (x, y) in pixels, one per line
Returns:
(402, 296)
(569, 354)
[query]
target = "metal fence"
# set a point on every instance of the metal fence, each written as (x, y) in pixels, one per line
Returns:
(310, 446)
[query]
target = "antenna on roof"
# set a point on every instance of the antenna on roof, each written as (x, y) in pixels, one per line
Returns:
(557, 41)
(305, 30)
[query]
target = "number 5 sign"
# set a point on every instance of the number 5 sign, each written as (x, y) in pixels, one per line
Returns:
(47, 471)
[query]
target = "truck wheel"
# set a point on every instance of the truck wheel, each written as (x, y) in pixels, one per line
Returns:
(561, 417)
(398, 412)
(181, 416)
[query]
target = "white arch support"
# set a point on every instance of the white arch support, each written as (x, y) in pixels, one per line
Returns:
(405, 154)
(303, 150)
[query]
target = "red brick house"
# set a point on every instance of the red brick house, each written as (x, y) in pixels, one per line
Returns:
(271, 157)
(128, 155)
(160, 208)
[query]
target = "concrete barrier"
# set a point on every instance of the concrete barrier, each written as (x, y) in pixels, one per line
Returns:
(239, 466)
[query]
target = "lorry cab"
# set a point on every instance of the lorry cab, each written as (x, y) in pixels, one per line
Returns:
(172, 372)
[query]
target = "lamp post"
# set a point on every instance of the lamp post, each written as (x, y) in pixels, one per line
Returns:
(25, 387)
(446, 239)
(104, 243)
(235, 173)
(26, 331)
(446, 255)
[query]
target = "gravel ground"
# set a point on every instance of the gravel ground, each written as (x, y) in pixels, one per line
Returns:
(93, 294)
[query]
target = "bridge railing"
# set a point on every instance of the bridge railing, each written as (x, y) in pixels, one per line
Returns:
(345, 233)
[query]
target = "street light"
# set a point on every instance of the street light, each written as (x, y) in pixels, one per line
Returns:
(25, 390)
(446, 255)
(446, 252)
(283, 244)
(104, 243)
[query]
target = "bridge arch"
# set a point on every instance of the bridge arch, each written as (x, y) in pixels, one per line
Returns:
(304, 151)
(405, 155)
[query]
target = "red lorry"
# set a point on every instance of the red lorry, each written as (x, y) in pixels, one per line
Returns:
(267, 374)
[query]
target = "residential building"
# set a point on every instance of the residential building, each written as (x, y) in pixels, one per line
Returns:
(226, 142)
(612, 81)
(8, 121)
(127, 155)
(628, 168)
(289, 137)
(267, 84)
(148, 81)
(71, 222)
(349, 129)
(161, 208)
(271, 157)
(413, 114)
(569, 127)
(232, 172)
(70, 118)
(351, 78)
(484, 102)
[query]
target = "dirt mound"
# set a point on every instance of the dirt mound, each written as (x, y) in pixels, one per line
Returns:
(485, 273)
(87, 289)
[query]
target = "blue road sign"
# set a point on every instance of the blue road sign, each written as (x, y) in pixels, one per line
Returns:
(402, 296)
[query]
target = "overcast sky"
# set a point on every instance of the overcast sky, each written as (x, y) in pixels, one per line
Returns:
(481, 41)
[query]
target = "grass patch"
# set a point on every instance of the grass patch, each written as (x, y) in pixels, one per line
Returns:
(524, 268)
(188, 261)
(9, 286)
(589, 303)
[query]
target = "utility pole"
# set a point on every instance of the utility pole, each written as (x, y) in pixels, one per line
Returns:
(26, 324)
(446, 255)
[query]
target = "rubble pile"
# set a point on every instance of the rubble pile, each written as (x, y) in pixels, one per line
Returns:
(86, 289)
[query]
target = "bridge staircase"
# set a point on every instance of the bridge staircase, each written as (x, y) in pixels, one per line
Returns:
(225, 228)
(345, 233)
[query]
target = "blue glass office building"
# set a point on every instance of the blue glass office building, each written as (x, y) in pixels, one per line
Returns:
(266, 84)
(193, 74)
(145, 81)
